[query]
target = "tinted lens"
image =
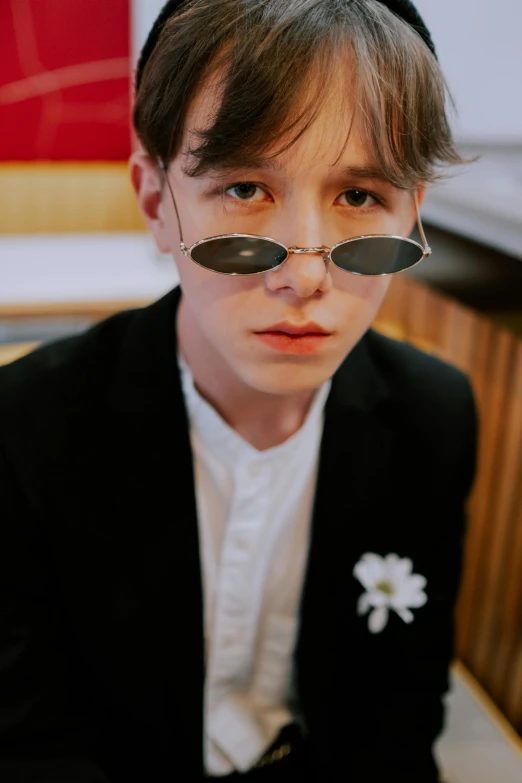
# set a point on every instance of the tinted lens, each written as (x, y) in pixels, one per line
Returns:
(239, 255)
(376, 255)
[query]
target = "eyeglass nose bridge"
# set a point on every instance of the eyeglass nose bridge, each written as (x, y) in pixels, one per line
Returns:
(324, 250)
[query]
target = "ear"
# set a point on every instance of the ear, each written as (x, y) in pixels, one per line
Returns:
(421, 192)
(146, 180)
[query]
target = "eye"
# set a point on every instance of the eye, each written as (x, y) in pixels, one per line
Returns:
(358, 198)
(243, 191)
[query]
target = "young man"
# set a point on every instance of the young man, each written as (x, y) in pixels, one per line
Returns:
(232, 521)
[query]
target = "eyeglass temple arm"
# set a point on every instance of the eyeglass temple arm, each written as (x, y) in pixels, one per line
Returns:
(163, 166)
(427, 248)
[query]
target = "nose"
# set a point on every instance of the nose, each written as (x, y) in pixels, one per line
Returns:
(305, 272)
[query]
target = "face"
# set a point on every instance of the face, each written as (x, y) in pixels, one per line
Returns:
(312, 197)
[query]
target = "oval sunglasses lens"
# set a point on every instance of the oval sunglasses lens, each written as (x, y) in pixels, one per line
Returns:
(376, 255)
(239, 255)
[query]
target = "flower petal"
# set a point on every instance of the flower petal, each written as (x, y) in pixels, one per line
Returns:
(378, 619)
(378, 598)
(363, 604)
(418, 580)
(419, 599)
(409, 590)
(369, 569)
(405, 614)
(399, 569)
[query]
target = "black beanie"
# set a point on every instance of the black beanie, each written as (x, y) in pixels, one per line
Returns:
(403, 8)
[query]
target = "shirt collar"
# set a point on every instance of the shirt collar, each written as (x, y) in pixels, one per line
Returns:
(211, 429)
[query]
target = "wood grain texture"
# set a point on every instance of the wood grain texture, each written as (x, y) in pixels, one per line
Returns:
(93, 311)
(11, 352)
(489, 611)
(43, 198)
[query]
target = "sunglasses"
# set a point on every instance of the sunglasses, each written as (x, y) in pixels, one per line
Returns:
(249, 254)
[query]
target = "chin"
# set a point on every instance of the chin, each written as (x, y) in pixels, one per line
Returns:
(287, 377)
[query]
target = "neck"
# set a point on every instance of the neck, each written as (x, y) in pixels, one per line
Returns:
(264, 420)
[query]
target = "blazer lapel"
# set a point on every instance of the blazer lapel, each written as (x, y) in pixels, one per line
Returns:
(157, 494)
(355, 448)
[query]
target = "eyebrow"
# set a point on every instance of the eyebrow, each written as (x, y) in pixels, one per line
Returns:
(365, 171)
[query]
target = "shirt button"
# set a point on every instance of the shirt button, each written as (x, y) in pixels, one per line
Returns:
(241, 543)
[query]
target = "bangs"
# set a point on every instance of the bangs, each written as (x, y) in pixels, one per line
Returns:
(273, 69)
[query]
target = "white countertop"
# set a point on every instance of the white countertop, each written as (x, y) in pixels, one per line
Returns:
(49, 269)
(475, 747)
(482, 200)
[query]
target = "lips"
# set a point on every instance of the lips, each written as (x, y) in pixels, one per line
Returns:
(295, 330)
(298, 339)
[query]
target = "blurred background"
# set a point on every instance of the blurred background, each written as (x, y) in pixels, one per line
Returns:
(70, 232)
(73, 249)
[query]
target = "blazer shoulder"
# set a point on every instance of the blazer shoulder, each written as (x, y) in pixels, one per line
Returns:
(434, 402)
(413, 373)
(63, 369)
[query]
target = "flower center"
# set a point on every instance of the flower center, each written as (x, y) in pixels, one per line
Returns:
(385, 587)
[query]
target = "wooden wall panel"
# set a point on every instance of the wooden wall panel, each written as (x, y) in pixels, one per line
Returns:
(41, 198)
(489, 612)
(9, 353)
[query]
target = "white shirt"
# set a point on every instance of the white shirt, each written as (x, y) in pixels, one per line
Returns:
(254, 513)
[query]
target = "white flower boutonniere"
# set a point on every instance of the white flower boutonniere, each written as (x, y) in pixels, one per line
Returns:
(389, 584)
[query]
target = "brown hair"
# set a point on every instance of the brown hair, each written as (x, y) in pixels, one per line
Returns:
(276, 62)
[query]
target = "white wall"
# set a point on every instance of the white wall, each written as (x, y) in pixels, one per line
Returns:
(144, 13)
(479, 43)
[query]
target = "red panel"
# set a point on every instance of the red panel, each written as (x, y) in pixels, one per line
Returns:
(65, 80)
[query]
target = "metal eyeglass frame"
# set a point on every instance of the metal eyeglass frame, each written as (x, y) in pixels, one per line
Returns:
(326, 251)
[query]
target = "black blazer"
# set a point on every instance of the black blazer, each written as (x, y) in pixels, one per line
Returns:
(101, 634)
